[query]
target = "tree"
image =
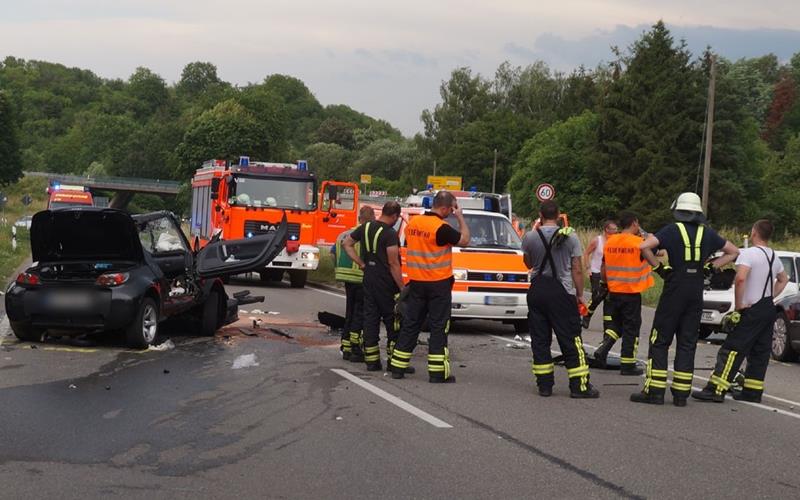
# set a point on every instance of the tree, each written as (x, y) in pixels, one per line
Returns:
(329, 161)
(10, 158)
(197, 78)
(225, 131)
(334, 131)
(564, 155)
(651, 126)
(149, 90)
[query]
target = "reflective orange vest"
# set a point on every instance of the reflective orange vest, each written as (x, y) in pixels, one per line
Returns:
(425, 260)
(626, 272)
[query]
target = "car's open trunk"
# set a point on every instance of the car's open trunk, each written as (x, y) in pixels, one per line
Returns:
(95, 236)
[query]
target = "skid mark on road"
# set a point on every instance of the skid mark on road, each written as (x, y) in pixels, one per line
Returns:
(560, 462)
(427, 417)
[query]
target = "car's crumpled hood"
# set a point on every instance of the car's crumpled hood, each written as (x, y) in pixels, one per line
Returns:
(84, 234)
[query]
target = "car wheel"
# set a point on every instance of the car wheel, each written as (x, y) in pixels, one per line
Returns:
(210, 319)
(27, 333)
(298, 279)
(521, 326)
(144, 329)
(705, 331)
(781, 347)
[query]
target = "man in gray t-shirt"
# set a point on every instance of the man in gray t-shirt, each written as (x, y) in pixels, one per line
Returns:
(555, 293)
(569, 248)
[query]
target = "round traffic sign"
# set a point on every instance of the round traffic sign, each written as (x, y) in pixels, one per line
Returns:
(545, 192)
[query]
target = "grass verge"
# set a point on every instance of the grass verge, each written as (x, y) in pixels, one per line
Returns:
(11, 259)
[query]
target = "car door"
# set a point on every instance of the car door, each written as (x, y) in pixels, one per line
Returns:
(791, 272)
(338, 210)
(225, 257)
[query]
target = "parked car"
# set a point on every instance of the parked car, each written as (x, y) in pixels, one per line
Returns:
(24, 221)
(718, 302)
(98, 270)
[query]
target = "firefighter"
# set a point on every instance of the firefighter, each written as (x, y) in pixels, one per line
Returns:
(555, 293)
(627, 275)
(688, 243)
(759, 278)
(429, 241)
(593, 257)
(349, 272)
(383, 278)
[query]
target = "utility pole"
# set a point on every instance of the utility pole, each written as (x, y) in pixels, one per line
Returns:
(709, 134)
(434, 167)
(494, 171)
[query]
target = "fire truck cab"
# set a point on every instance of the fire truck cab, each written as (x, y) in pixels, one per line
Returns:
(491, 280)
(66, 196)
(245, 198)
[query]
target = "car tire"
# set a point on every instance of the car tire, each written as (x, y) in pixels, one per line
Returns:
(210, 316)
(705, 331)
(297, 279)
(781, 345)
(143, 331)
(27, 333)
(521, 326)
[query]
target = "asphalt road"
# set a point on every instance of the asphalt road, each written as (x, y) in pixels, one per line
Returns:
(100, 420)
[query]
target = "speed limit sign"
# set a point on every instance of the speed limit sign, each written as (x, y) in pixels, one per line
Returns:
(545, 192)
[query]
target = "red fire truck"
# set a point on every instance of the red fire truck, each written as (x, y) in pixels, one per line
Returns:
(246, 198)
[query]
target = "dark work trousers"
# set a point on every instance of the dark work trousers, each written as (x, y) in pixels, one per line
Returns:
(551, 308)
(354, 318)
(677, 316)
(599, 294)
(379, 304)
(431, 300)
(751, 339)
(626, 309)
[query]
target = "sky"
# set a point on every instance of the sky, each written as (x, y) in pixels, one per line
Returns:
(384, 58)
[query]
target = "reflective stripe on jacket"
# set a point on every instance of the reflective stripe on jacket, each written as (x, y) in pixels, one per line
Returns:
(626, 272)
(687, 245)
(345, 269)
(425, 260)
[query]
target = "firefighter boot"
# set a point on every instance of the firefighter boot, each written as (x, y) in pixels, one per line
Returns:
(630, 369)
(601, 353)
(439, 378)
(356, 343)
(652, 397)
(709, 393)
(750, 397)
(375, 366)
(588, 393)
(389, 350)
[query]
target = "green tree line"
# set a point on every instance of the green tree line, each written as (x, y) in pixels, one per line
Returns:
(626, 134)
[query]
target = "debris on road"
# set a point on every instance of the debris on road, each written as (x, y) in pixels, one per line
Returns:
(164, 346)
(517, 338)
(244, 361)
(339, 418)
(73, 386)
(166, 371)
(515, 346)
(280, 332)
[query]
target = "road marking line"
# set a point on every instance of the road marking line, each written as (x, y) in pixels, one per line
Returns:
(757, 405)
(5, 329)
(325, 292)
(427, 417)
(69, 349)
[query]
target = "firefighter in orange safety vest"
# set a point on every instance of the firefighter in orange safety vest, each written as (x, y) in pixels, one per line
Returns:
(627, 275)
(429, 264)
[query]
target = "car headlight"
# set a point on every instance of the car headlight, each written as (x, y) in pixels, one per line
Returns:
(460, 274)
(309, 256)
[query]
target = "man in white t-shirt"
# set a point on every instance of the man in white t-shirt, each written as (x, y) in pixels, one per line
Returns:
(759, 278)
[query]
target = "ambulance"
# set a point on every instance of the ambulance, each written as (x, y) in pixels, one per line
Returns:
(491, 280)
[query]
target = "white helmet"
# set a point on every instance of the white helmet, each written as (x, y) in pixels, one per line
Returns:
(689, 202)
(688, 208)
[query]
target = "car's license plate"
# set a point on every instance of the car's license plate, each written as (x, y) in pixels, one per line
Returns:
(68, 300)
(707, 316)
(500, 300)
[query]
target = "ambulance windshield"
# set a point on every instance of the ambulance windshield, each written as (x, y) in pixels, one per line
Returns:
(488, 231)
(271, 192)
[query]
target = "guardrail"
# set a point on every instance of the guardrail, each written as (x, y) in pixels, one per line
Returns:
(114, 183)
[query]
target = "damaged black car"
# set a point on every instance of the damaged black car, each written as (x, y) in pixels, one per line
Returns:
(102, 270)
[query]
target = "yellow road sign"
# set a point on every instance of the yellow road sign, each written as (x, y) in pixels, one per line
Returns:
(450, 182)
(366, 179)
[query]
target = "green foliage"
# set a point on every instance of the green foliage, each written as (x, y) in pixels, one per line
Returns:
(225, 131)
(563, 155)
(329, 161)
(10, 158)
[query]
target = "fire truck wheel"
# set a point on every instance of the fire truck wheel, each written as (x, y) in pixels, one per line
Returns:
(298, 278)
(271, 275)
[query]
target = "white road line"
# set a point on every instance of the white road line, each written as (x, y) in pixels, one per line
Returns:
(325, 292)
(5, 329)
(757, 405)
(427, 417)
